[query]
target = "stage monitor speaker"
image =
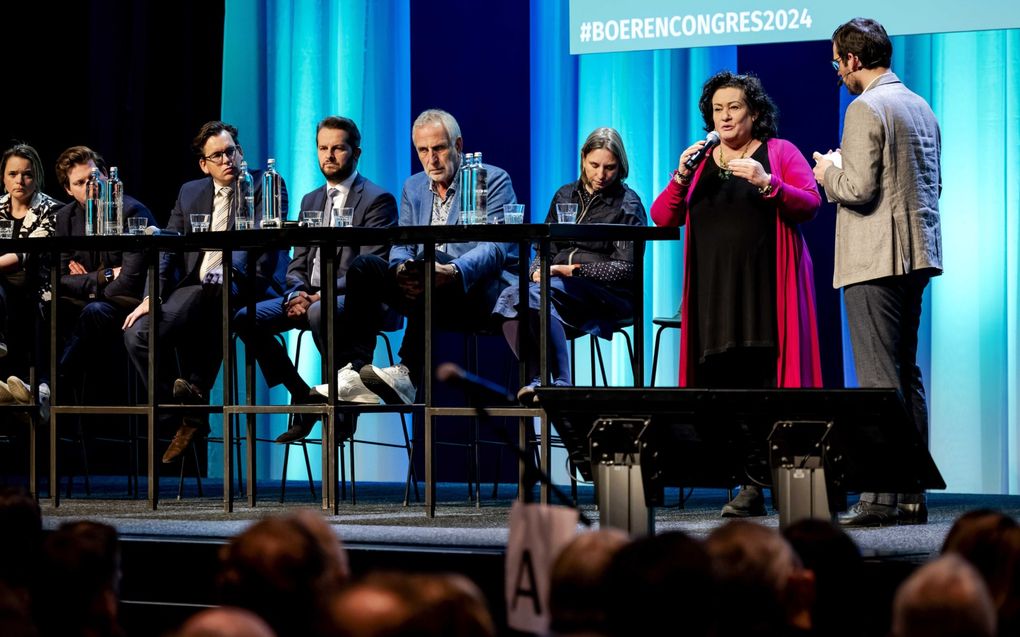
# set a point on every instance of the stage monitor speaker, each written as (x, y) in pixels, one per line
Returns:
(862, 438)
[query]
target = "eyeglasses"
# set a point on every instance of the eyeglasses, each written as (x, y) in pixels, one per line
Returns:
(219, 156)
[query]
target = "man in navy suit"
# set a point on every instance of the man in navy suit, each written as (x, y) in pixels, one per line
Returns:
(339, 147)
(97, 288)
(468, 276)
(190, 284)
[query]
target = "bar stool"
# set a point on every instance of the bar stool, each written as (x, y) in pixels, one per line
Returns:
(663, 323)
(408, 446)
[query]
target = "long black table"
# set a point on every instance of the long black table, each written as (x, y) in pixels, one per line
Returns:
(526, 236)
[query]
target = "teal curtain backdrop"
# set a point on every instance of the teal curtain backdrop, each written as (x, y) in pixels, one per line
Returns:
(969, 330)
(651, 98)
(286, 65)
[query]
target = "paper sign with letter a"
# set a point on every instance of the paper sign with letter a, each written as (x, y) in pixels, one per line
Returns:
(537, 534)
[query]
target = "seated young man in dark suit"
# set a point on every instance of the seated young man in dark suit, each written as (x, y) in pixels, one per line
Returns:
(339, 147)
(190, 284)
(97, 288)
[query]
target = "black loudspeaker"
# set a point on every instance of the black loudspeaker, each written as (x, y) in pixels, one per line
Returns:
(811, 445)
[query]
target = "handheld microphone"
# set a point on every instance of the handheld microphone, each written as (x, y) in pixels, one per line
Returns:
(711, 141)
(160, 232)
(478, 390)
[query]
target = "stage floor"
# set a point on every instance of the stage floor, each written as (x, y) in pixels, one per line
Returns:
(380, 519)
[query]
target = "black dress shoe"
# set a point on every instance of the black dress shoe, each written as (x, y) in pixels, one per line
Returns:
(749, 503)
(299, 430)
(187, 393)
(864, 514)
(912, 513)
(346, 425)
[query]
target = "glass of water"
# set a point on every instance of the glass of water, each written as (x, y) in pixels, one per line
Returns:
(311, 218)
(566, 212)
(343, 217)
(513, 213)
(137, 225)
(200, 222)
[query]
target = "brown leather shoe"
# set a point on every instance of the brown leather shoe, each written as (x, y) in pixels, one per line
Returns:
(190, 427)
(21, 392)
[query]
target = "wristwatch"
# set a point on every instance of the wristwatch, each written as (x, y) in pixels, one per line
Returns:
(108, 274)
(456, 271)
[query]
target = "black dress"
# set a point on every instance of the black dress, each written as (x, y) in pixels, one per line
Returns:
(732, 326)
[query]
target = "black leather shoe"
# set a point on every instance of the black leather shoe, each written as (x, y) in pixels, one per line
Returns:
(299, 430)
(749, 503)
(346, 425)
(864, 514)
(187, 393)
(912, 513)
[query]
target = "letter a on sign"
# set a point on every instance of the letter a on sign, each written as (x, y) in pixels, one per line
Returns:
(537, 534)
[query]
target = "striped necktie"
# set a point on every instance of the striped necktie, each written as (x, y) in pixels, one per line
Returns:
(315, 278)
(212, 262)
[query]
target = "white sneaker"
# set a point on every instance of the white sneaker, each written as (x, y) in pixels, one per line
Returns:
(44, 403)
(349, 388)
(392, 384)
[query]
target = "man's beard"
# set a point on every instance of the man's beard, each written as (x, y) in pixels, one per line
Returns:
(341, 173)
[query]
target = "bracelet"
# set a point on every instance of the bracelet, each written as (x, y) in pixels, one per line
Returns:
(680, 179)
(765, 191)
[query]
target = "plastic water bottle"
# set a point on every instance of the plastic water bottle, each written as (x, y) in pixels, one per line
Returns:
(480, 189)
(466, 191)
(271, 195)
(95, 196)
(113, 224)
(245, 213)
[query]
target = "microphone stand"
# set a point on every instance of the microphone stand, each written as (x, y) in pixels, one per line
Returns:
(533, 474)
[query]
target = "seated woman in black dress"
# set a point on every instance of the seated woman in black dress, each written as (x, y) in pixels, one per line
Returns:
(591, 282)
(748, 299)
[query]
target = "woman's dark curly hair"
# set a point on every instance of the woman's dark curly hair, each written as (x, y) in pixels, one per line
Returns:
(758, 102)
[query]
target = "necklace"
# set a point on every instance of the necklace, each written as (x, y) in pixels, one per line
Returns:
(726, 173)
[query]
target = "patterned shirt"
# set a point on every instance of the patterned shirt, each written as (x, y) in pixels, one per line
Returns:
(40, 221)
(441, 207)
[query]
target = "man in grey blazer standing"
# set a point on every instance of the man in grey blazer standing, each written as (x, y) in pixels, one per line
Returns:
(886, 180)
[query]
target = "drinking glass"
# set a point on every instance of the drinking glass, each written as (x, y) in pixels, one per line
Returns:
(343, 217)
(513, 213)
(200, 222)
(311, 218)
(566, 212)
(137, 225)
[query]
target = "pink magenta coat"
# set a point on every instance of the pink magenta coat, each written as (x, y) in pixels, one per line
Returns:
(797, 200)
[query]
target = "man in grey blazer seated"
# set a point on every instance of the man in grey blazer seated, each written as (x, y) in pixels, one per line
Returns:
(886, 180)
(338, 143)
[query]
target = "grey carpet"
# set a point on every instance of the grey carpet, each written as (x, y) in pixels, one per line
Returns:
(380, 519)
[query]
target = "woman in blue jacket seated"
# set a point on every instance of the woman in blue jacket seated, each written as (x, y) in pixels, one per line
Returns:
(591, 288)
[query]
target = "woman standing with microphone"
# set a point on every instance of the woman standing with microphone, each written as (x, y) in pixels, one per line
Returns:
(748, 310)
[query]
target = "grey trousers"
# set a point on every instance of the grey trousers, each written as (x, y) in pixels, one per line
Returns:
(883, 317)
